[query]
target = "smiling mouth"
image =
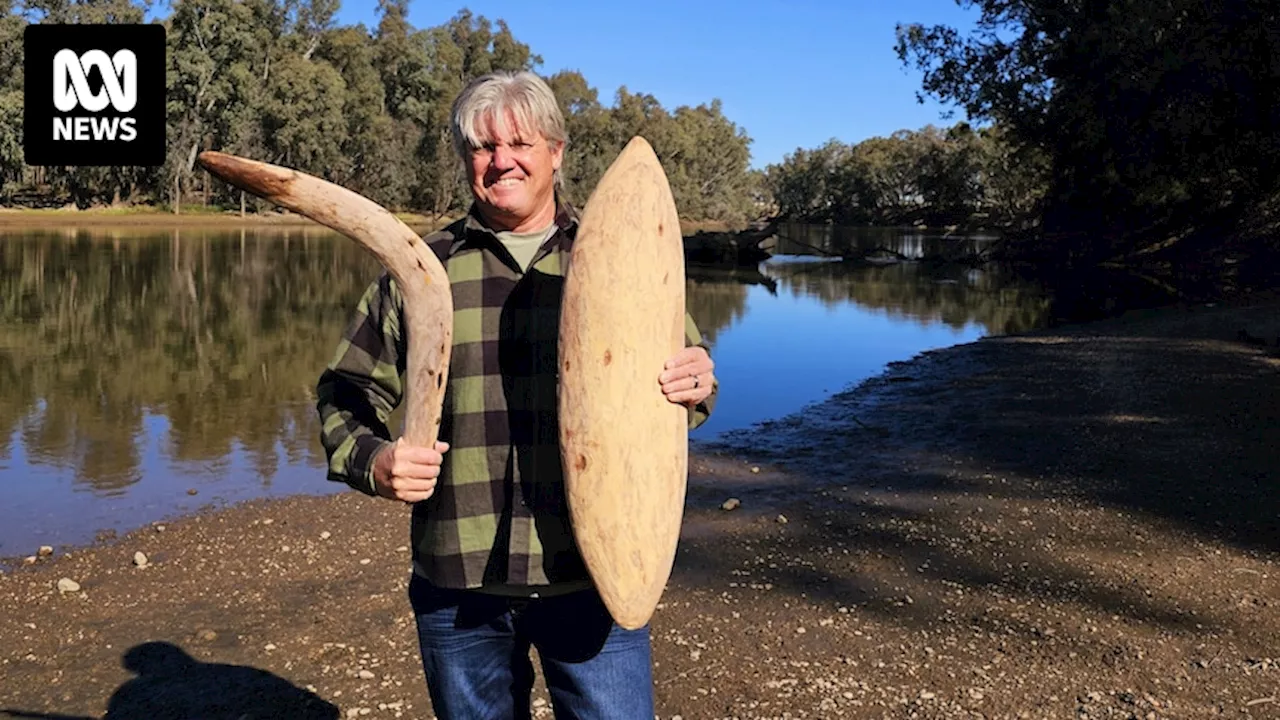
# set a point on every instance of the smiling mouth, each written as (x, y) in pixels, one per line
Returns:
(507, 182)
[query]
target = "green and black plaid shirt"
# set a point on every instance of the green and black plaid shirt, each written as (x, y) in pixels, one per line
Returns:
(498, 518)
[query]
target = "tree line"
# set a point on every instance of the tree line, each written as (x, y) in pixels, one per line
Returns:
(367, 108)
(1157, 119)
(1102, 131)
(1107, 130)
(933, 176)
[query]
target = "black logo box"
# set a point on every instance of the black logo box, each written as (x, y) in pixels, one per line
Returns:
(41, 43)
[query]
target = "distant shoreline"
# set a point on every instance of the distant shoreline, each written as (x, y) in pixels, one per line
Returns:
(153, 217)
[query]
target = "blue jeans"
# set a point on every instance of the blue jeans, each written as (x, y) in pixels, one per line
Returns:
(475, 651)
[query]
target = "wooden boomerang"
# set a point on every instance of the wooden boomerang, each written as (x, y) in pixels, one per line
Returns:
(428, 301)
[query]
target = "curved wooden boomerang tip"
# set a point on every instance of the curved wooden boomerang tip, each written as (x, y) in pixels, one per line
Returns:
(255, 177)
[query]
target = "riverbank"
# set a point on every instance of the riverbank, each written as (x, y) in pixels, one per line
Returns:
(1079, 522)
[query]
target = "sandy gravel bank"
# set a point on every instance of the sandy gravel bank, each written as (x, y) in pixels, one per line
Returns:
(1073, 523)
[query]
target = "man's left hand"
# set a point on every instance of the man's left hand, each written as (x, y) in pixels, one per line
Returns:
(686, 378)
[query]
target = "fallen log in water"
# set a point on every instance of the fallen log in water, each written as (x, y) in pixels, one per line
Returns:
(749, 247)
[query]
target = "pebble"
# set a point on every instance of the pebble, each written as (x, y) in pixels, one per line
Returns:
(207, 635)
(192, 491)
(159, 528)
(731, 504)
(269, 646)
(755, 469)
(67, 585)
(29, 560)
(45, 551)
(366, 675)
(926, 695)
(539, 703)
(326, 535)
(140, 559)
(782, 519)
(365, 561)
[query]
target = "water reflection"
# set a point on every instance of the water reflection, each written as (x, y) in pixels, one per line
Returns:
(925, 294)
(137, 365)
(847, 241)
(220, 335)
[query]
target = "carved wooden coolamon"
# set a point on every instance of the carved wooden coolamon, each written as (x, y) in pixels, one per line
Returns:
(624, 445)
(428, 302)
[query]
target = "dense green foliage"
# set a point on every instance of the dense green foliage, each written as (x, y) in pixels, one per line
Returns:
(931, 176)
(368, 108)
(1158, 118)
(1113, 130)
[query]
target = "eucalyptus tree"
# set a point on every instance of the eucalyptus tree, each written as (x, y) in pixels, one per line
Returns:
(1157, 118)
(592, 145)
(11, 103)
(219, 62)
(710, 157)
(463, 48)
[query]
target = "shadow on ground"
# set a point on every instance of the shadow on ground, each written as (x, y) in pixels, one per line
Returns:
(172, 685)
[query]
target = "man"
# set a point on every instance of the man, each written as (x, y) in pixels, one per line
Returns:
(495, 567)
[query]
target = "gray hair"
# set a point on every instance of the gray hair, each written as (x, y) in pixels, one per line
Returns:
(524, 95)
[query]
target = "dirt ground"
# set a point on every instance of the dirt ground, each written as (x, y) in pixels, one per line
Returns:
(1076, 523)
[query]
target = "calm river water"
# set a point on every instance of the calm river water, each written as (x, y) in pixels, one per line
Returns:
(146, 374)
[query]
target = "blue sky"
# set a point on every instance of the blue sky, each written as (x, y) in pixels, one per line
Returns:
(793, 74)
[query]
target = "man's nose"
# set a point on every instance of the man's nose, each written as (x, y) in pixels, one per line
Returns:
(503, 157)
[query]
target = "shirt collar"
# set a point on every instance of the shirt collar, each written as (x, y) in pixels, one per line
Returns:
(473, 228)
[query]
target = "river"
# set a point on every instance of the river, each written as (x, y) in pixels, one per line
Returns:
(145, 374)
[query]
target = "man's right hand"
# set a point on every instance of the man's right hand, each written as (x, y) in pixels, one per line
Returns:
(407, 472)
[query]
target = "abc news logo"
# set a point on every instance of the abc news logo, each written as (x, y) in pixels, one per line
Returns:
(94, 95)
(71, 90)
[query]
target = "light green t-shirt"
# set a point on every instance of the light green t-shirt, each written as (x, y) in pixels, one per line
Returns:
(523, 246)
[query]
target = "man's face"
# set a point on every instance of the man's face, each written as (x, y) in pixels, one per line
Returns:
(512, 177)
